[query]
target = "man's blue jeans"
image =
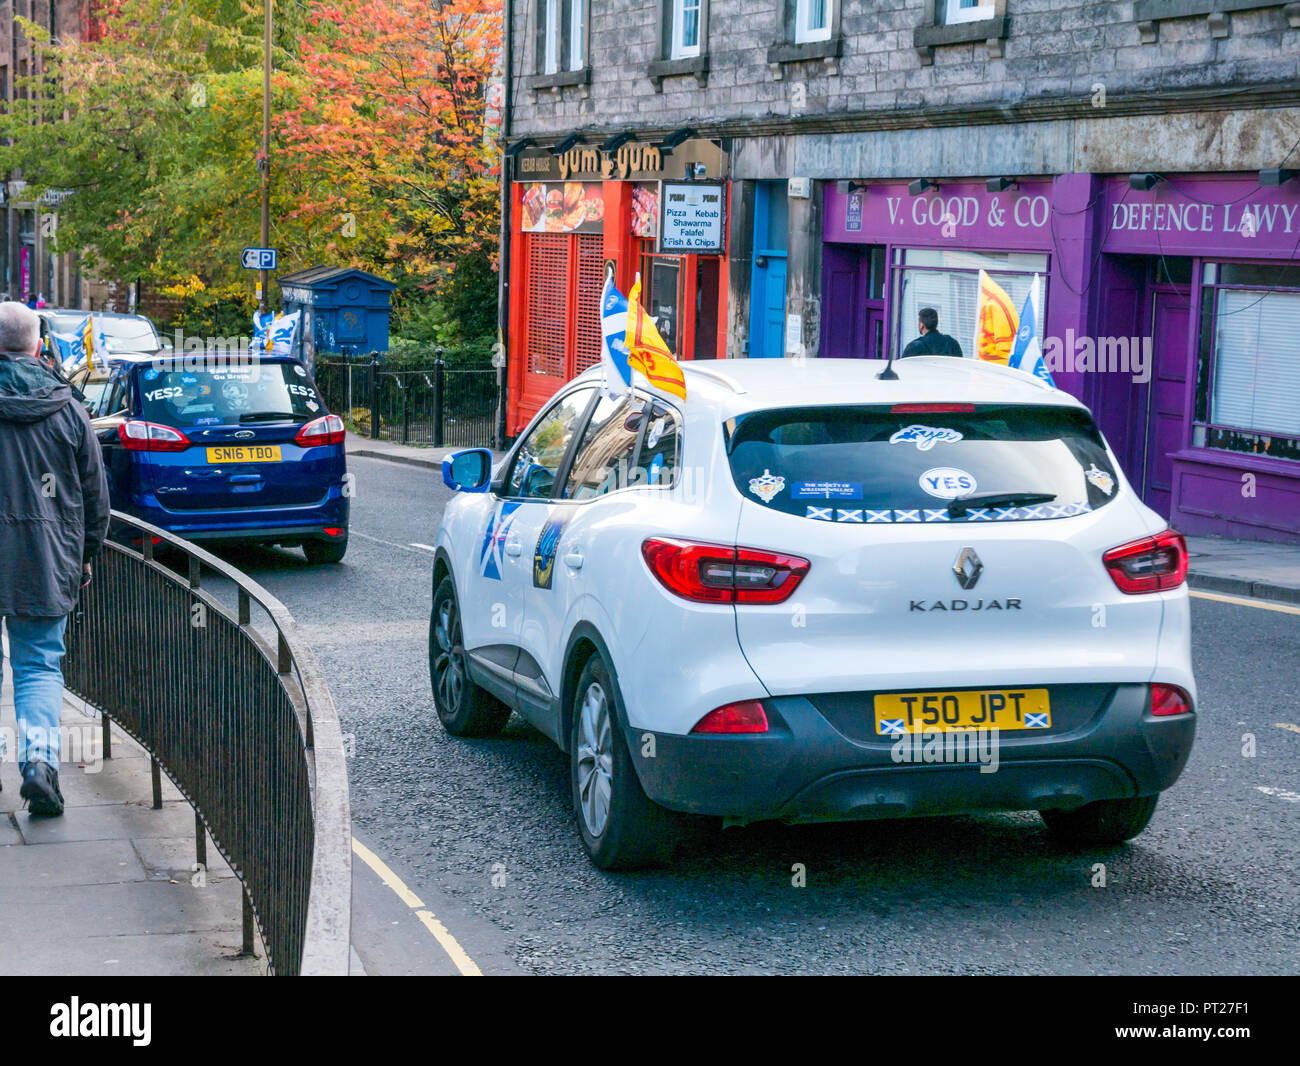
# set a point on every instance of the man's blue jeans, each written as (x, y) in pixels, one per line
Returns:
(35, 649)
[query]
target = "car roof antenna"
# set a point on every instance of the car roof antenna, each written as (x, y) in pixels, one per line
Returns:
(888, 373)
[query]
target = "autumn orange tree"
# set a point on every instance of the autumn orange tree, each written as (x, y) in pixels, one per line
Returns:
(396, 108)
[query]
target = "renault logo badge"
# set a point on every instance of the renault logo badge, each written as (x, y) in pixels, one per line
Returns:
(967, 568)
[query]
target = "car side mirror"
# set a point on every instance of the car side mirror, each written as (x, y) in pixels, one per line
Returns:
(469, 470)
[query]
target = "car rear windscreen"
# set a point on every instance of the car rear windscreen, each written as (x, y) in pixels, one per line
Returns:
(227, 396)
(922, 463)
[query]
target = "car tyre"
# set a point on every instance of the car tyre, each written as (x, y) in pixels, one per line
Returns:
(1102, 822)
(464, 708)
(621, 827)
(324, 552)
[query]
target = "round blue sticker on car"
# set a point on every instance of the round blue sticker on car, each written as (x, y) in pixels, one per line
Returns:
(150, 374)
(947, 482)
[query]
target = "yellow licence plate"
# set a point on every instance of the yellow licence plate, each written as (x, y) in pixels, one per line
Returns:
(245, 453)
(944, 712)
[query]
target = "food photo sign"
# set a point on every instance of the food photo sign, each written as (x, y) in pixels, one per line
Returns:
(563, 207)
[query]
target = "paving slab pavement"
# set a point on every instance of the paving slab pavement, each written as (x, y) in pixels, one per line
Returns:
(110, 887)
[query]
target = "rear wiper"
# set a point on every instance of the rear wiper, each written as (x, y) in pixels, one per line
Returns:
(997, 499)
(268, 416)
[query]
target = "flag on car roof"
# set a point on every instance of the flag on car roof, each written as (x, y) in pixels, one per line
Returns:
(1027, 353)
(995, 322)
(613, 328)
(274, 332)
(650, 354)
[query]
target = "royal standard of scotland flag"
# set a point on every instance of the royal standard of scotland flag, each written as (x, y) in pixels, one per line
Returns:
(614, 351)
(1027, 354)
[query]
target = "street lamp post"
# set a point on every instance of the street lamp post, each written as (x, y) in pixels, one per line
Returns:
(264, 164)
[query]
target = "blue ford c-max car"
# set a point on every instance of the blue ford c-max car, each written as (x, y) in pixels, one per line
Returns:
(223, 447)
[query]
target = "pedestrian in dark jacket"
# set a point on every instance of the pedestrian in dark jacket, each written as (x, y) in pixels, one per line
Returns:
(53, 519)
(931, 341)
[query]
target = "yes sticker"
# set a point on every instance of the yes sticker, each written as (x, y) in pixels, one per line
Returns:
(947, 482)
(925, 437)
(767, 486)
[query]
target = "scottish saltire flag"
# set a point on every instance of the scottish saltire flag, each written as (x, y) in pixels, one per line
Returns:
(1027, 354)
(274, 332)
(614, 351)
(71, 348)
(649, 354)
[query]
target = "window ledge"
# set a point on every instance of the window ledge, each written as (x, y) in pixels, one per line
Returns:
(991, 31)
(695, 66)
(1148, 14)
(829, 51)
(558, 82)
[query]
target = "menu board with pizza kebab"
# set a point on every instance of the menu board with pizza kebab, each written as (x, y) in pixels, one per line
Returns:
(563, 207)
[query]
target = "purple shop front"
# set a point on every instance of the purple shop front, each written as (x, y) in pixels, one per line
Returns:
(1175, 312)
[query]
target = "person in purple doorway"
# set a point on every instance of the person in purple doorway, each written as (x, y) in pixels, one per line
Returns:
(54, 512)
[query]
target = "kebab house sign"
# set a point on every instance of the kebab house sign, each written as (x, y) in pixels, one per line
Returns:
(563, 193)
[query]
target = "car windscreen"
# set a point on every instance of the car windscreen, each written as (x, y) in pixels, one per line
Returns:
(127, 331)
(922, 462)
(242, 395)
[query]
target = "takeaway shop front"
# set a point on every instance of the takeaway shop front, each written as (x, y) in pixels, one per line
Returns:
(1207, 268)
(638, 207)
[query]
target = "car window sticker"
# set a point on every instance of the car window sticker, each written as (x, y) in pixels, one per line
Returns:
(767, 486)
(925, 437)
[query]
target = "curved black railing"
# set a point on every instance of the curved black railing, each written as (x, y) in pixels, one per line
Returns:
(242, 722)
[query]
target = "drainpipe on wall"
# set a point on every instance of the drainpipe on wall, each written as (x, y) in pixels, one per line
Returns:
(503, 261)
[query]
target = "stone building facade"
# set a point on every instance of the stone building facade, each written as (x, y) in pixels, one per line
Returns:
(1136, 156)
(29, 266)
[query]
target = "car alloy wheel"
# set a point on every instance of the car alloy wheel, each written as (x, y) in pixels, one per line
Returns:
(449, 660)
(595, 759)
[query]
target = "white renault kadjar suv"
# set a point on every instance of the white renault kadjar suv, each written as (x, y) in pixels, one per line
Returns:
(810, 594)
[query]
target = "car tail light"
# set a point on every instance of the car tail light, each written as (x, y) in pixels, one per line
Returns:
(1170, 699)
(929, 408)
(1152, 564)
(333, 531)
(140, 436)
(327, 430)
(716, 573)
(747, 716)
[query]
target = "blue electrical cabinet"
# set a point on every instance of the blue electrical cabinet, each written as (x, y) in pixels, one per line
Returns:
(344, 311)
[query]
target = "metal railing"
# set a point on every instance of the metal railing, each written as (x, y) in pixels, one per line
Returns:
(435, 404)
(241, 721)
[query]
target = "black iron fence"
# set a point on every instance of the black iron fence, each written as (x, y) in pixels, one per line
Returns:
(430, 404)
(242, 722)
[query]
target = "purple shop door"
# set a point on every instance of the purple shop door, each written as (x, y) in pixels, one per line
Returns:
(1166, 396)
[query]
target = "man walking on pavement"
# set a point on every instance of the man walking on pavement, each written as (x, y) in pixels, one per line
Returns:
(53, 518)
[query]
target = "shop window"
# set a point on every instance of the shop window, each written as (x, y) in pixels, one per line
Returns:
(948, 281)
(661, 296)
(1249, 376)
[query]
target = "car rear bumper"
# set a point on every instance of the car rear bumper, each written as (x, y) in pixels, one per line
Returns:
(804, 769)
(262, 524)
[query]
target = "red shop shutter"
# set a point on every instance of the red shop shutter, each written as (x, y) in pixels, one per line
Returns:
(591, 279)
(548, 291)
